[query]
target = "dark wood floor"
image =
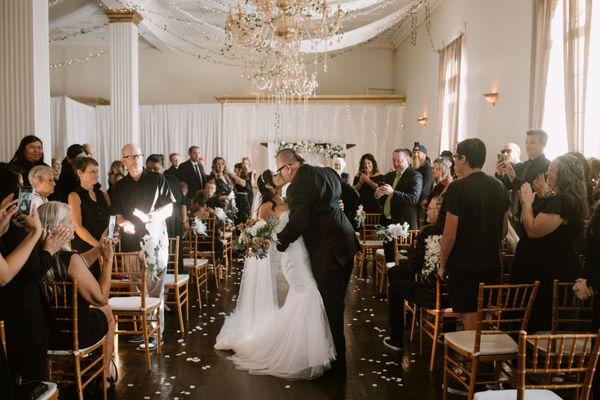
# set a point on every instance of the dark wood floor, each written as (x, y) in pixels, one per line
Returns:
(190, 368)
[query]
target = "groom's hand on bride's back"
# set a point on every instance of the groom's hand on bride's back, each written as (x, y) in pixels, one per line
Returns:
(281, 247)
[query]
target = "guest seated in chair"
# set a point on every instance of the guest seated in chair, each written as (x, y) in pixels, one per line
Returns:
(402, 285)
(94, 322)
(201, 210)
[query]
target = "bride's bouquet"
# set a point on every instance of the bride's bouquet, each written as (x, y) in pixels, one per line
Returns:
(256, 236)
(433, 252)
(391, 232)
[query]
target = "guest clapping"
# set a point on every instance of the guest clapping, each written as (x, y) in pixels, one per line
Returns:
(366, 182)
(41, 178)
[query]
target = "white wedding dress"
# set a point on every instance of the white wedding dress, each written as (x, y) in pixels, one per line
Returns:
(295, 342)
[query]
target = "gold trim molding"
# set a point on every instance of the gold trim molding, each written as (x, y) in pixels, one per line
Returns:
(123, 15)
(363, 98)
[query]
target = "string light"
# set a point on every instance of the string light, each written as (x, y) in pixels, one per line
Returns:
(78, 60)
(83, 31)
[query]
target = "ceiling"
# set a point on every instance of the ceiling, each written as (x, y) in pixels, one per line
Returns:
(195, 27)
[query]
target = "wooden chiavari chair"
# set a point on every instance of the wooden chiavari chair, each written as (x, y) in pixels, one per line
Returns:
(196, 266)
(177, 283)
(506, 263)
(573, 370)
(368, 242)
(431, 320)
(130, 303)
(88, 363)
(204, 248)
(227, 238)
(501, 310)
(381, 266)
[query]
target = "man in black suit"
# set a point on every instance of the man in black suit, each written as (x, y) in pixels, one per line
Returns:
(399, 195)
(174, 159)
(192, 172)
(421, 165)
(313, 199)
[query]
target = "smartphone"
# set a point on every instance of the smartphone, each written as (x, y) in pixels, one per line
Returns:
(25, 200)
(381, 184)
(500, 157)
(111, 227)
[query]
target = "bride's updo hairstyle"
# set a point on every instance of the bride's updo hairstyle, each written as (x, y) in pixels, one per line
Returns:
(267, 194)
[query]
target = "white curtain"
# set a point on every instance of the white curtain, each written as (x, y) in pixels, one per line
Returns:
(234, 130)
(449, 94)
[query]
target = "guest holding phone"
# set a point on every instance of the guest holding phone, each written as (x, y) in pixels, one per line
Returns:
(366, 181)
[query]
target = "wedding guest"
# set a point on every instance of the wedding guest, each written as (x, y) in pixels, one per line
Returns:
(142, 202)
(402, 285)
(89, 150)
(23, 306)
(203, 211)
(513, 176)
(553, 226)
(587, 178)
(511, 153)
(174, 159)
(339, 164)
(251, 177)
(94, 315)
(90, 206)
(447, 154)
(56, 167)
(241, 193)
(212, 199)
(192, 172)
(41, 178)
(222, 178)
(29, 154)
(421, 164)
(366, 181)
(67, 182)
(476, 221)
(442, 177)
(115, 174)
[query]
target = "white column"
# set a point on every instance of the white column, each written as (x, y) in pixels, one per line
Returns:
(24, 75)
(124, 76)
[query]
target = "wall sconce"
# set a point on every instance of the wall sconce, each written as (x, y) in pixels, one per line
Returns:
(491, 97)
(422, 121)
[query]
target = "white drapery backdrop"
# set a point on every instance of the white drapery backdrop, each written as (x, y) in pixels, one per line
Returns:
(233, 130)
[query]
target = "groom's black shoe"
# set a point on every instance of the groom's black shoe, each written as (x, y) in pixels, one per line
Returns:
(337, 368)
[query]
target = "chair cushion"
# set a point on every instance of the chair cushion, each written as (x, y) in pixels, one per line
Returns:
(390, 264)
(131, 303)
(71, 352)
(51, 392)
(372, 243)
(227, 234)
(530, 394)
(170, 279)
(497, 343)
(380, 252)
(189, 262)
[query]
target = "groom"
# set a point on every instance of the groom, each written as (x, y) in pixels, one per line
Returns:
(313, 199)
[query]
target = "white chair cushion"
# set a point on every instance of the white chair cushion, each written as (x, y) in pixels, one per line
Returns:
(224, 241)
(131, 303)
(170, 279)
(491, 344)
(530, 394)
(372, 243)
(51, 392)
(390, 264)
(380, 252)
(227, 234)
(189, 262)
(70, 352)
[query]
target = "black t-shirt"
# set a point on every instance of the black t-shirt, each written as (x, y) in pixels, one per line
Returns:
(480, 202)
(149, 193)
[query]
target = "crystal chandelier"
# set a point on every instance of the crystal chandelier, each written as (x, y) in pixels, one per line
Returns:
(272, 32)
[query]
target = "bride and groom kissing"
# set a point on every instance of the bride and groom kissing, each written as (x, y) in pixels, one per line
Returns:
(315, 250)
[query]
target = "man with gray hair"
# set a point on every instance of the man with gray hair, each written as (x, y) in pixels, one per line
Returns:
(513, 176)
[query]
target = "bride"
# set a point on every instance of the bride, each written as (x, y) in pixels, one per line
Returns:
(293, 342)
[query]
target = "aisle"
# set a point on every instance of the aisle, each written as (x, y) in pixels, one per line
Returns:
(191, 369)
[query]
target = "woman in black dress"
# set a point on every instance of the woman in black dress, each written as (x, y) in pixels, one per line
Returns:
(67, 182)
(29, 154)
(241, 193)
(224, 183)
(366, 182)
(90, 206)
(553, 229)
(93, 322)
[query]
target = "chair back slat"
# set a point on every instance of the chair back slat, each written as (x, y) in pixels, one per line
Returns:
(569, 313)
(369, 226)
(202, 244)
(506, 263)
(2, 337)
(62, 297)
(129, 275)
(571, 358)
(173, 261)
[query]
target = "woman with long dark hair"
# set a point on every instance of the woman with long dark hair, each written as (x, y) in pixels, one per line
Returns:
(553, 227)
(366, 181)
(241, 193)
(29, 154)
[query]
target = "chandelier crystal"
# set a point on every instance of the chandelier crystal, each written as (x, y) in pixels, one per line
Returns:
(272, 31)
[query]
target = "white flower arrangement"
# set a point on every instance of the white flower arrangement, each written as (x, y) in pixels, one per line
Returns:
(391, 232)
(360, 216)
(220, 214)
(433, 251)
(325, 149)
(199, 227)
(150, 250)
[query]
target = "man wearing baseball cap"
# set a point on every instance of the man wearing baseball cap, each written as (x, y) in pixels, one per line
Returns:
(422, 166)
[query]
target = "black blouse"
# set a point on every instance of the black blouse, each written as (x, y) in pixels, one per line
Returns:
(94, 217)
(367, 194)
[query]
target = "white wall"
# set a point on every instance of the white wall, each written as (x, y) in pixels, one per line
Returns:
(176, 78)
(496, 56)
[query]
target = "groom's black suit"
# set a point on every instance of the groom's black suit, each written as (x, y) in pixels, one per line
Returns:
(313, 199)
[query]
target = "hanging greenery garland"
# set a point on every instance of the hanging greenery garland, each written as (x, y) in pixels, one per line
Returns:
(326, 150)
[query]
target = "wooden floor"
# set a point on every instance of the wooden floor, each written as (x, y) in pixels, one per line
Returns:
(191, 369)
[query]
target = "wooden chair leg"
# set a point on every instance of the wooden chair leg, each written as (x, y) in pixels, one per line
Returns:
(412, 324)
(197, 277)
(445, 379)
(158, 319)
(420, 331)
(179, 306)
(104, 388)
(78, 378)
(436, 333)
(187, 302)
(147, 349)
(474, 365)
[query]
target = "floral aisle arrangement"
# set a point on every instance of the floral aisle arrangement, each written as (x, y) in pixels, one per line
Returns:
(433, 251)
(199, 227)
(391, 232)
(327, 150)
(360, 216)
(150, 250)
(256, 236)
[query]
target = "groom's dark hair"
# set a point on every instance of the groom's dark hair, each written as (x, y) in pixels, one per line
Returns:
(289, 156)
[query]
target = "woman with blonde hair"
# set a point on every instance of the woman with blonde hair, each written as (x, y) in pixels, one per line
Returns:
(94, 322)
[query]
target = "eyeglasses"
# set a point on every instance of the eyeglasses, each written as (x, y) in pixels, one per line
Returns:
(278, 170)
(134, 156)
(457, 156)
(503, 151)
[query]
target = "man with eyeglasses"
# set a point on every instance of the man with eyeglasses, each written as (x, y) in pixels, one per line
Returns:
(142, 201)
